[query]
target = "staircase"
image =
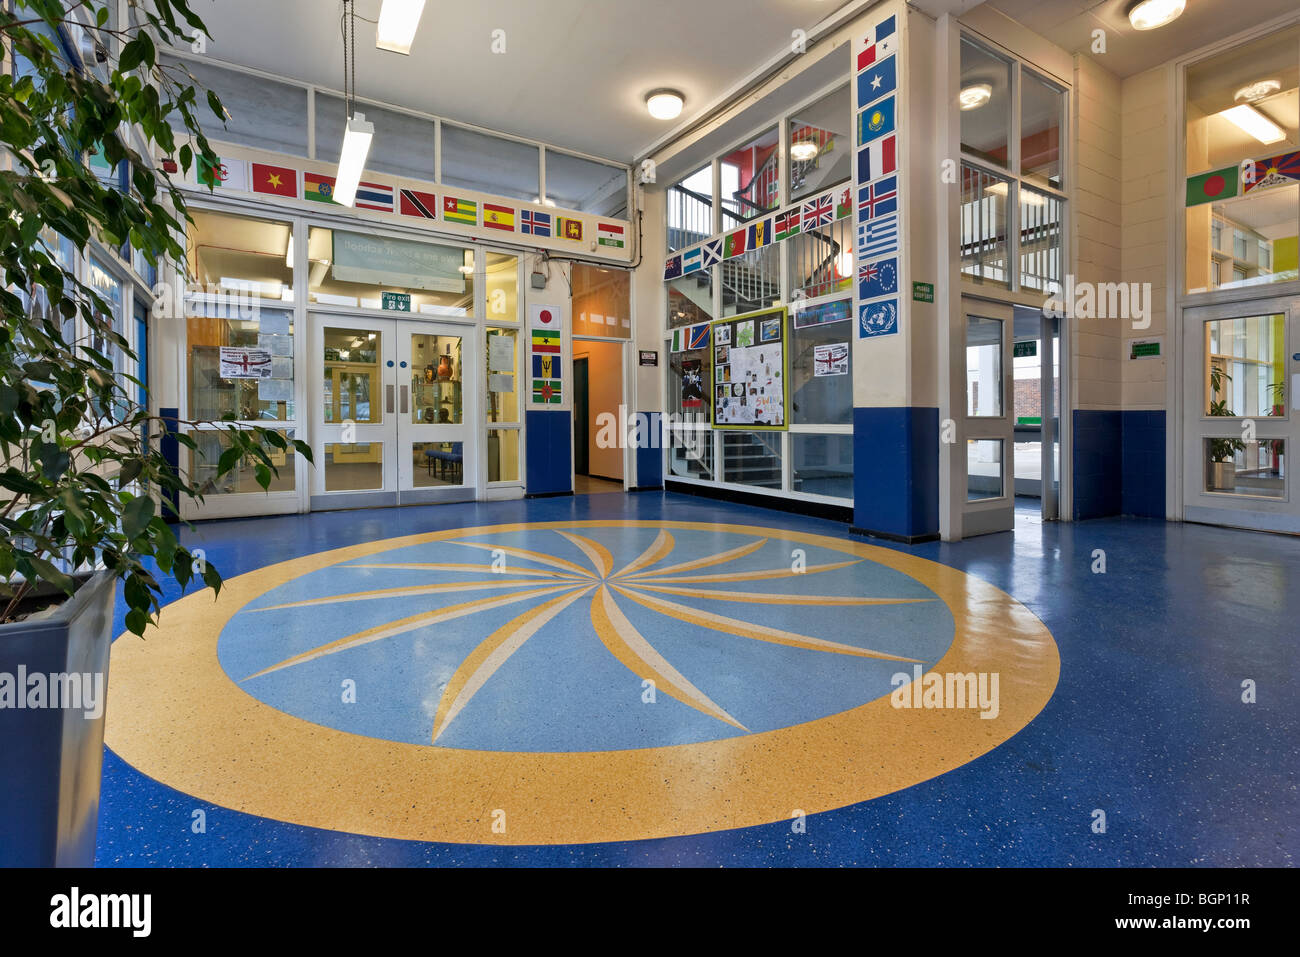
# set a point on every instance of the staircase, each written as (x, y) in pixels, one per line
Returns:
(750, 461)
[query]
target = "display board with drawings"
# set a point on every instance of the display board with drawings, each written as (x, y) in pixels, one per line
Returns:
(750, 371)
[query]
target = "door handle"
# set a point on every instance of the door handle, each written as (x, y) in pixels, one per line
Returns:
(388, 398)
(406, 397)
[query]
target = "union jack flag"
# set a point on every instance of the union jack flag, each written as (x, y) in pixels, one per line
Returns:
(878, 198)
(868, 272)
(818, 212)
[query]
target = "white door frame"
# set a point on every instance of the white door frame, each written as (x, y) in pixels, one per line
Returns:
(628, 371)
(998, 513)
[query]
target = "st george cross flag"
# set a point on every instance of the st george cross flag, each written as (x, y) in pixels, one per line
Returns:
(878, 237)
(532, 223)
(712, 253)
(818, 212)
(877, 279)
(412, 202)
(878, 198)
(877, 159)
(374, 196)
(787, 224)
(881, 78)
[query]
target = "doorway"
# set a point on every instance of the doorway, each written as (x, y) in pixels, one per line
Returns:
(1036, 411)
(394, 402)
(599, 416)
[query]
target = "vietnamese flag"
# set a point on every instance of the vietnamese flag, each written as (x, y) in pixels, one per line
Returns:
(276, 180)
(1214, 185)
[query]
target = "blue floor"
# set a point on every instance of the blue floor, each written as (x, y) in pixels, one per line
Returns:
(1147, 723)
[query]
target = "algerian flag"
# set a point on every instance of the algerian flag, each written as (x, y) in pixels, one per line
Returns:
(1214, 185)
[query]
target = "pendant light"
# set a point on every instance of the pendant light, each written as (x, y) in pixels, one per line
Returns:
(358, 133)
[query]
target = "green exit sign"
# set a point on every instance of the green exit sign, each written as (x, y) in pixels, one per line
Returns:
(1025, 350)
(923, 292)
(395, 301)
(1149, 349)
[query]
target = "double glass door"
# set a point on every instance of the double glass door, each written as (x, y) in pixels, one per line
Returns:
(394, 404)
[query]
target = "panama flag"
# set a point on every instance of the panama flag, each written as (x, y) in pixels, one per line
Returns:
(876, 199)
(877, 44)
(692, 259)
(412, 202)
(877, 159)
(880, 79)
(374, 196)
(532, 223)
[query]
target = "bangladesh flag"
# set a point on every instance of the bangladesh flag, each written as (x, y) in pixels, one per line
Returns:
(1214, 185)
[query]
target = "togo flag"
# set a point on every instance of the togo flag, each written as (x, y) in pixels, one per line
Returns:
(1208, 187)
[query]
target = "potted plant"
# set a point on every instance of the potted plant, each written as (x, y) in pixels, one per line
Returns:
(87, 499)
(1223, 452)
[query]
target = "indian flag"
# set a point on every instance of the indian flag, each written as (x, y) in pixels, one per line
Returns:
(546, 391)
(460, 211)
(608, 234)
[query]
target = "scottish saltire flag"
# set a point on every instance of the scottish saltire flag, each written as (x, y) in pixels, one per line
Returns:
(878, 198)
(881, 78)
(878, 43)
(712, 253)
(673, 267)
(878, 237)
(877, 159)
(533, 223)
(787, 224)
(374, 196)
(878, 279)
(878, 318)
(876, 121)
(692, 260)
(818, 212)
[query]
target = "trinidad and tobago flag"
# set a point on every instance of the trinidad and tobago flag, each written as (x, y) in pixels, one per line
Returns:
(415, 203)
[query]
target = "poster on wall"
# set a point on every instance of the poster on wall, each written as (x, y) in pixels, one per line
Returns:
(242, 363)
(692, 384)
(831, 359)
(750, 371)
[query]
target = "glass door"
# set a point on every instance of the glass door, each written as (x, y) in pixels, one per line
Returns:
(1241, 370)
(988, 423)
(434, 461)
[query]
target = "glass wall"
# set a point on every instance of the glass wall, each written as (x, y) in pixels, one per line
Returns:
(821, 148)
(750, 180)
(408, 141)
(490, 164)
(602, 301)
(361, 270)
(689, 212)
(575, 182)
(502, 356)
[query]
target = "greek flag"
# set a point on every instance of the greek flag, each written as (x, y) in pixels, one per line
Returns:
(878, 236)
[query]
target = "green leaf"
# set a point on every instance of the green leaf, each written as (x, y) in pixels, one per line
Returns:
(136, 516)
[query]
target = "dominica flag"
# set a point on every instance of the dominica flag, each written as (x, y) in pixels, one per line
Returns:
(415, 203)
(461, 211)
(609, 234)
(318, 188)
(568, 228)
(735, 244)
(787, 224)
(499, 217)
(533, 223)
(1211, 186)
(546, 340)
(276, 180)
(546, 391)
(374, 196)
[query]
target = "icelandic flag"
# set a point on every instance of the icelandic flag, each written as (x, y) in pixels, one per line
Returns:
(878, 237)
(878, 159)
(374, 196)
(876, 121)
(880, 79)
(691, 260)
(876, 199)
(534, 223)
(877, 279)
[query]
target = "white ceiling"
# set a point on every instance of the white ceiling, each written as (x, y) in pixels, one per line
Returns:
(574, 74)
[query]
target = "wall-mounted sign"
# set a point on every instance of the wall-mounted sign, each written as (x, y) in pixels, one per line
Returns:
(922, 292)
(1144, 349)
(1025, 349)
(649, 357)
(835, 311)
(376, 260)
(242, 363)
(395, 301)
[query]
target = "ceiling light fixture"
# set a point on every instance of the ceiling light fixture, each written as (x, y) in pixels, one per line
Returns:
(358, 133)
(1251, 121)
(1150, 14)
(974, 96)
(398, 20)
(1256, 91)
(804, 150)
(288, 254)
(664, 104)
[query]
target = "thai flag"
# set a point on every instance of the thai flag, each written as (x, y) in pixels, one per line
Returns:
(374, 196)
(534, 224)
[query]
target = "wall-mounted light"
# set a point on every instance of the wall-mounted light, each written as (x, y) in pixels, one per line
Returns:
(1150, 14)
(664, 104)
(974, 96)
(398, 20)
(356, 147)
(844, 264)
(1253, 92)
(1252, 121)
(804, 150)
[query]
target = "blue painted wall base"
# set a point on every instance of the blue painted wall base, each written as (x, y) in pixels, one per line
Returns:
(649, 455)
(549, 466)
(896, 473)
(1119, 463)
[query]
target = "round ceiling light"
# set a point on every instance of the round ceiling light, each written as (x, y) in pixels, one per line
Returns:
(974, 96)
(1150, 14)
(664, 104)
(1257, 90)
(804, 150)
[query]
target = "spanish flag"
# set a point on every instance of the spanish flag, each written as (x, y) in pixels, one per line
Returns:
(499, 217)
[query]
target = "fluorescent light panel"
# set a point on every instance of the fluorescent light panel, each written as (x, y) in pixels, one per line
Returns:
(1252, 121)
(398, 20)
(356, 147)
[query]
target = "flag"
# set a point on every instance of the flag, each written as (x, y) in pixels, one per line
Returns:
(227, 174)
(546, 391)
(1274, 171)
(877, 279)
(878, 236)
(697, 337)
(818, 212)
(875, 121)
(1211, 186)
(546, 366)
(880, 79)
(787, 224)
(760, 234)
(844, 205)
(374, 196)
(877, 159)
(735, 244)
(532, 223)
(609, 234)
(276, 180)
(691, 260)
(673, 267)
(712, 253)
(415, 203)
(463, 211)
(318, 188)
(546, 340)
(878, 43)
(878, 318)
(499, 217)
(876, 199)
(568, 228)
